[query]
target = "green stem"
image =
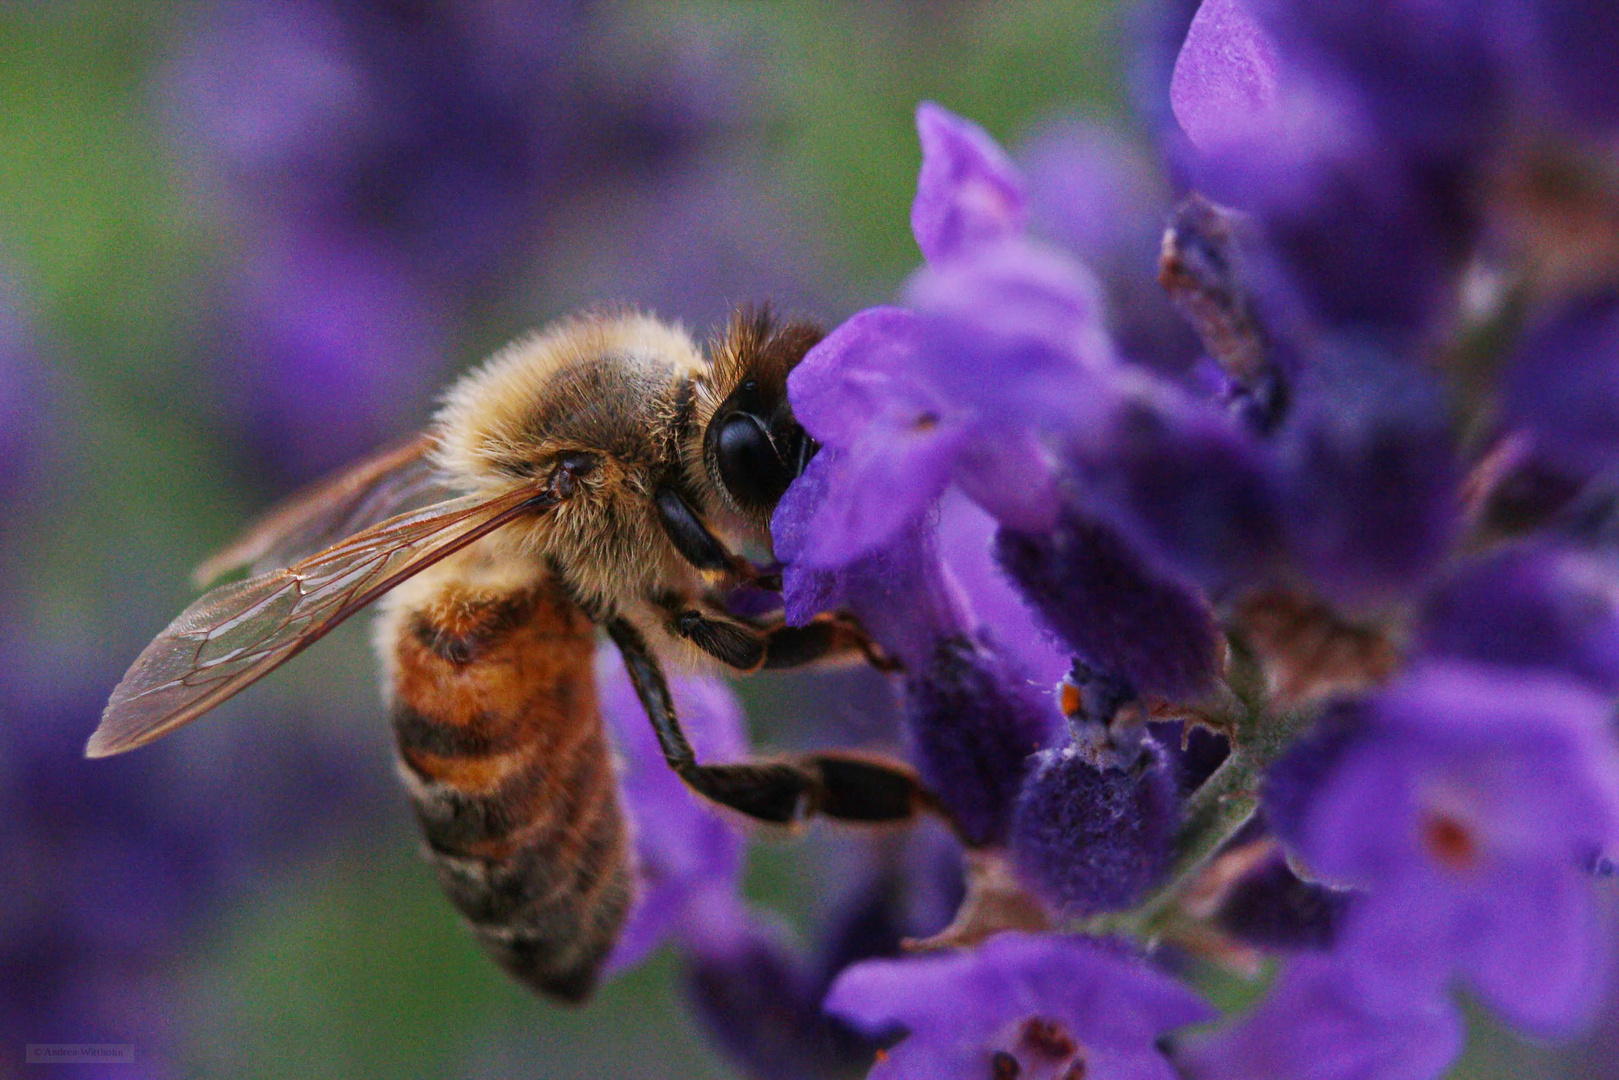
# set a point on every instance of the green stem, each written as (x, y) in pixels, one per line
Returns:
(1212, 815)
(1215, 813)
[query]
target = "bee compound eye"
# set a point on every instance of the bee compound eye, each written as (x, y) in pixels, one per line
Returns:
(750, 466)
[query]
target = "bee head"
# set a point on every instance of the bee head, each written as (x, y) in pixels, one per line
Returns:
(753, 447)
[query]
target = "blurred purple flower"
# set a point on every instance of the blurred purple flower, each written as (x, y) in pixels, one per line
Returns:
(1312, 1026)
(1102, 199)
(1355, 174)
(689, 858)
(1562, 385)
(1018, 1005)
(416, 149)
(1534, 606)
(1373, 480)
(1424, 74)
(1351, 236)
(687, 241)
(1224, 83)
(334, 351)
(1271, 907)
(969, 194)
(760, 994)
(1466, 804)
(1193, 490)
(114, 863)
(760, 998)
(1559, 50)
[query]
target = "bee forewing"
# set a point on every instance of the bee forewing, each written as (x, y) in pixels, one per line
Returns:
(238, 633)
(398, 479)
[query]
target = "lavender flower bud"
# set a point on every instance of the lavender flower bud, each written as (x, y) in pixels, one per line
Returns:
(1099, 596)
(973, 725)
(1094, 839)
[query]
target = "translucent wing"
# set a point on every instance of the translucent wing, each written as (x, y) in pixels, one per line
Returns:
(398, 479)
(238, 633)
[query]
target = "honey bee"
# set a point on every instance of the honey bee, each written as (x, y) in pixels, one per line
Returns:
(605, 472)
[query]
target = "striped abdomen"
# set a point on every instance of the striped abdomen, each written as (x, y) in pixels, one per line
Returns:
(501, 744)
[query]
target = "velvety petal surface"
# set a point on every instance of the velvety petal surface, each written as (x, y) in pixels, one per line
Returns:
(1312, 1027)
(1224, 83)
(960, 1008)
(969, 193)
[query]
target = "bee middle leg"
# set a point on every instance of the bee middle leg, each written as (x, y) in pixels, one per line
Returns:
(828, 636)
(844, 786)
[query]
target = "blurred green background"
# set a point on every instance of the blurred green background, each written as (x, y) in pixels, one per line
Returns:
(780, 153)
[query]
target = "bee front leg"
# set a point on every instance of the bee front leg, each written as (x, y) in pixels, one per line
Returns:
(844, 786)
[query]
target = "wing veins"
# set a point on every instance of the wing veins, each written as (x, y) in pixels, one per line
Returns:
(368, 565)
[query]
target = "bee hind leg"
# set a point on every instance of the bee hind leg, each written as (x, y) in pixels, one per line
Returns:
(843, 786)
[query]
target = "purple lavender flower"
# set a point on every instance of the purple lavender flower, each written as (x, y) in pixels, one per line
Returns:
(1313, 1026)
(1465, 805)
(1562, 385)
(890, 444)
(1091, 838)
(1003, 620)
(1002, 340)
(973, 725)
(1224, 82)
(972, 717)
(1535, 606)
(1117, 612)
(688, 858)
(906, 406)
(1101, 198)
(969, 194)
(1003, 348)
(1018, 1005)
